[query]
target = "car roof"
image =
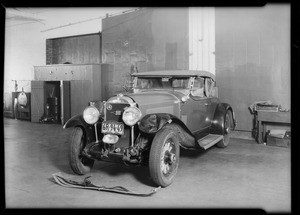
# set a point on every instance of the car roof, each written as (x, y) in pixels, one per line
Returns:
(174, 73)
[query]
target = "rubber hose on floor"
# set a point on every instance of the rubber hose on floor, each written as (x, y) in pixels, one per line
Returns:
(86, 184)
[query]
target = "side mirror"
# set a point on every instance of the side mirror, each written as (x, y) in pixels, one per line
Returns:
(214, 92)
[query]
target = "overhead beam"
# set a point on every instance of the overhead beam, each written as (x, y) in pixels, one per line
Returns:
(13, 14)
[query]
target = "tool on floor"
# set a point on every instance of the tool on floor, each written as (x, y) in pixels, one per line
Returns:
(86, 184)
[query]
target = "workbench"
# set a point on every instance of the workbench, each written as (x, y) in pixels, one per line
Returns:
(268, 117)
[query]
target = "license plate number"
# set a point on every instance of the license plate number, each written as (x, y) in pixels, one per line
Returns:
(112, 128)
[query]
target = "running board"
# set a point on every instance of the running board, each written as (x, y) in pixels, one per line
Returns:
(209, 140)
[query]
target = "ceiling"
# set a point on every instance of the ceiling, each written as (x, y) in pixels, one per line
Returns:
(19, 16)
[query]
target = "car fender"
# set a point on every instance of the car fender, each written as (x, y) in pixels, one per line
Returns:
(153, 123)
(78, 121)
(75, 120)
(217, 126)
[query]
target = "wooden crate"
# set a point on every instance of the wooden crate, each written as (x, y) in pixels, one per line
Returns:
(280, 142)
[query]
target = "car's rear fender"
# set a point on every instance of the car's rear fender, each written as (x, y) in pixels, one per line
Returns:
(153, 123)
(217, 126)
(78, 121)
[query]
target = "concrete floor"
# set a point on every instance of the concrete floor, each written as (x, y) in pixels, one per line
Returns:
(243, 175)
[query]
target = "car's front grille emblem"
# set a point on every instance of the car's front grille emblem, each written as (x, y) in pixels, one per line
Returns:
(108, 107)
(113, 112)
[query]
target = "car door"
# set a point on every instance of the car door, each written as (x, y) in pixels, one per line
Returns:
(211, 101)
(195, 109)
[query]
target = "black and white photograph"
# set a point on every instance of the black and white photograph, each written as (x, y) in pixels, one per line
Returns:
(148, 107)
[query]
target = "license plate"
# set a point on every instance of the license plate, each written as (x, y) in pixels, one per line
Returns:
(112, 127)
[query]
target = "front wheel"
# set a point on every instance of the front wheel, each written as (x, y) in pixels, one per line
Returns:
(228, 122)
(164, 157)
(79, 163)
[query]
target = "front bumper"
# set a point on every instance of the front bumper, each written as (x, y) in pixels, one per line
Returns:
(97, 151)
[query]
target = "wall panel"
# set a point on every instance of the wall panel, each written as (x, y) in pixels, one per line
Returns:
(201, 35)
(81, 49)
(144, 40)
(253, 58)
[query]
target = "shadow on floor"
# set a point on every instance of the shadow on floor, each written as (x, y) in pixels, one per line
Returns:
(141, 173)
(191, 153)
(59, 159)
(58, 155)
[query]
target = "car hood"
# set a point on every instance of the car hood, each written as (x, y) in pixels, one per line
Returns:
(158, 102)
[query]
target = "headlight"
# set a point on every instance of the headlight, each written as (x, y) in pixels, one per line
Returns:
(131, 115)
(91, 115)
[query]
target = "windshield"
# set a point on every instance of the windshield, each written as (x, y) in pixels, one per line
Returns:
(178, 84)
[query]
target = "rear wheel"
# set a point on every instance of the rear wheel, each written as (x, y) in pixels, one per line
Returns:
(80, 164)
(164, 157)
(227, 130)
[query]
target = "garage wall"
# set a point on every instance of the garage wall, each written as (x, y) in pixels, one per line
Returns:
(202, 38)
(148, 39)
(79, 49)
(25, 41)
(253, 57)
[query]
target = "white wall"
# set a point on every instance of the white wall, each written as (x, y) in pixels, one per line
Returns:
(25, 44)
(202, 39)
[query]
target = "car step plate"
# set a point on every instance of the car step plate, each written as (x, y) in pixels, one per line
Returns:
(209, 140)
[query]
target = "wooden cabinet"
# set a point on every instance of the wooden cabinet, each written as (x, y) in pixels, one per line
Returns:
(73, 97)
(81, 95)
(38, 100)
(75, 85)
(78, 84)
(66, 72)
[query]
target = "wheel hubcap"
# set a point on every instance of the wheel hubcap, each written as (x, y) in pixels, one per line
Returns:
(227, 130)
(81, 154)
(168, 158)
(172, 158)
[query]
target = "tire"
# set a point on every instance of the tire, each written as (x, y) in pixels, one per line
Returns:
(164, 157)
(79, 164)
(227, 129)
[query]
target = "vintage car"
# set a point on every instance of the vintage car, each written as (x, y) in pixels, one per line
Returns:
(166, 110)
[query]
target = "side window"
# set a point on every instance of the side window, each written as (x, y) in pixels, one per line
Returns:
(198, 89)
(209, 84)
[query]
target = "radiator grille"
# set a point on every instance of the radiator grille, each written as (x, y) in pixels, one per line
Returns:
(124, 140)
(114, 111)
